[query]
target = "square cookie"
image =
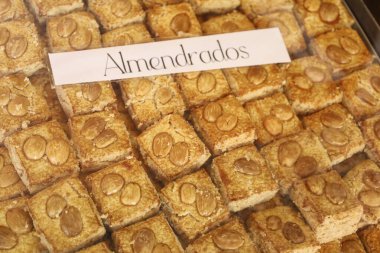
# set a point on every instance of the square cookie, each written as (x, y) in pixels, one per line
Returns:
(151, 235)
(16, 227)
(77, 99)
(322, 16)
(42, 154)
(74, 31)
(193, 205)
(199, 88)
(227, 23)
(248, 83)
(281, 229)
(101, 247)
(150, 99)
(214, 6)
(243, 178)
(171, 148)
(116, 13)
(328, 206)
(126, 35)
(295, 157)
(42, 9)
(273, 118)
(338, 132)
(21, 49)
(289, 28)
(231, 236)
(12, 10)
(42, 82)
(370, 238)
(65, 217)
(371, 132)
(361, 92)
(100, 139)
(123, 193)
(20, 105)
(343, 49)
(10, 184)
(310, 85)
(364, 182)
(223, 125)
(253, 8)
(349, 244)
(173, 21)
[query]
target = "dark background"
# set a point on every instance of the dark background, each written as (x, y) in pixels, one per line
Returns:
(374, 6)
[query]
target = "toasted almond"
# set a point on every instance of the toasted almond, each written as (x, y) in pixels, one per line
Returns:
(122, 40)
(273, 223)
(334, 137)
(8, 176)
(351, 246)
(4, 35)
(312, 5)
(144, 241)
(336, 193)
(228, 239)
(332, 119)
(305, 166)
(302, 82)
(20, 84)
(229, 27)
(121, 8)
(226, 122)
(315, 74)
(162, 144)
(105, 138)
(18, 220)
(212, 112)
(91, 92)
(282, 112)
(164, 95)
(375, 83)
(66, 27)
(370, 198)
(57, 151)
(16, 47)
(111, 183)
(8, 239)
(293, 233)
(81, 39)
(55, 205)
(179, 154)
(206, 82)
(161, 248)
(92, 127)
(337, 54)
(365, 96)
(191, 75)
(371, 179)
(34, 147)
(248, 167)
(272, 125)
(206, 203)
(18, 106)
(280, 25)
(329, 13)
(257, 75)
(71, 222)
(180, 23)
(131, 194)
(5, 96)
(288, 153)
(143, 87)
(187, 193)
(316, 185)
(5, 6)
(349, 45)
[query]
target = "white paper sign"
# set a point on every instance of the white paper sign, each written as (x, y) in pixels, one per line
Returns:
(239, 49)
